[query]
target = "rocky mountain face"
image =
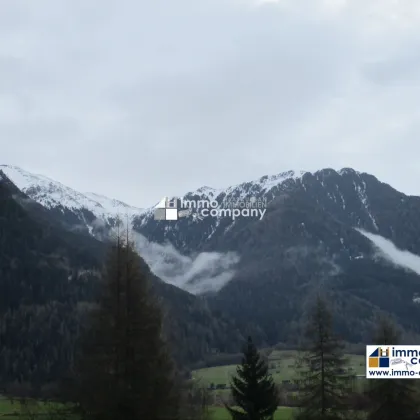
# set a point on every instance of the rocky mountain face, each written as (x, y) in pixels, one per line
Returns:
(352, 198)
(307, 243)
(263, 272)
(49, 276)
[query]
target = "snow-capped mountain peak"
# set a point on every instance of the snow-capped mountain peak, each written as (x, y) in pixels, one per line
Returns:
(89, 208)
(247, 189)
(268, 182)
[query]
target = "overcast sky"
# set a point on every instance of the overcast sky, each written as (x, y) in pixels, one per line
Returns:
(141, 99)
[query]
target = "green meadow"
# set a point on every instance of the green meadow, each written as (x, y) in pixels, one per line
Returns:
(34, 409)
(8, 410)
(281, 364)
(282, 368)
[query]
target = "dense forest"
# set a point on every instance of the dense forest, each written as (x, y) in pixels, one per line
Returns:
(49, 279)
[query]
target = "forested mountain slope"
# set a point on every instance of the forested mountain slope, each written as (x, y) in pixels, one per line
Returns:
(50, 276)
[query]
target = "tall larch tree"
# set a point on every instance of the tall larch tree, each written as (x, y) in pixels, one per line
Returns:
(124, 370)
(324, 383)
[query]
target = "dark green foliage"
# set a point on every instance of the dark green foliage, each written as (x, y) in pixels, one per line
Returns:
(196, 401)
(50, 276)
(253, 389)
(325, 384)
(124, 369)
(391, 398)
(44, 273)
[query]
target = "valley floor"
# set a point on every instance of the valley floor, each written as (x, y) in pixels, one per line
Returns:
(9, 410)
(281, 366)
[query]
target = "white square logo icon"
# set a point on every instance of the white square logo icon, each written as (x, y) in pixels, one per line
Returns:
(171, 214)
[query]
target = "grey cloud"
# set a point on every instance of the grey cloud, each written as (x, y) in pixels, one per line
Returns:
(387, 251)
(403, 69)
(157, 98)
(201, 273)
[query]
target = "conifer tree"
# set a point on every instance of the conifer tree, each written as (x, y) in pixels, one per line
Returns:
(391, 398)
(253, 388)
(324, 382)
(124, 370)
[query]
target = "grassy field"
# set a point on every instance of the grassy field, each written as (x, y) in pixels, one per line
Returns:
(7, 410)
(4, 407)
(281, 365)
(17, 411)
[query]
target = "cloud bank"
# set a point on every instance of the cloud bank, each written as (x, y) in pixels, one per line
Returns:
(201, 273)
(388, 251)
(150, 96)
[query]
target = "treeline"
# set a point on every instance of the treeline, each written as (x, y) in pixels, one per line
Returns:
(122, 365)
(326, 387)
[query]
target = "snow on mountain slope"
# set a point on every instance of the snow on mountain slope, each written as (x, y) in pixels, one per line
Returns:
(349, 194)
(54, 195)
(95, 211)
(245, 189)
(112, 205)
(261, 188)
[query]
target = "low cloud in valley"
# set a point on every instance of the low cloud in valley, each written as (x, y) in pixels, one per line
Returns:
(388, 251)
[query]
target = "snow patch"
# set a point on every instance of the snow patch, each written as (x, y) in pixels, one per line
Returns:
(52, 194)
(363, 198)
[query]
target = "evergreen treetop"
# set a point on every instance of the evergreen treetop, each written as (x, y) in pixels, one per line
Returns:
(324, 380)
(253, 389)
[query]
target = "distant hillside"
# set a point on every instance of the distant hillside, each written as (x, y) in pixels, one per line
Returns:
(48, 278)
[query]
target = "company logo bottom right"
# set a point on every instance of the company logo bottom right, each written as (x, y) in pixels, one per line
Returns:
(392, 362)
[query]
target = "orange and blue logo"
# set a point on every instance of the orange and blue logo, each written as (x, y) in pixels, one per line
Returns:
(379, 358)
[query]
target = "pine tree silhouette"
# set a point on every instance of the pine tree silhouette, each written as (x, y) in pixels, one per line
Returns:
(253, 388)
(324, 382)
(124, 370)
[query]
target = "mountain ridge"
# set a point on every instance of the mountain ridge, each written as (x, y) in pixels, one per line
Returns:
(87, 212)
(306, 242)
(263, 272)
